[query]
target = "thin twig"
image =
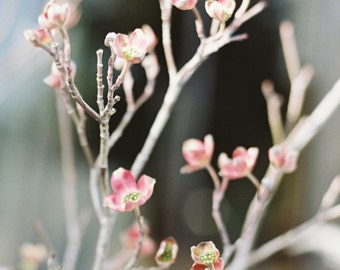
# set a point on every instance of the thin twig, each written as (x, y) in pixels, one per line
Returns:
(297, 95)
(274, 103)
(69, 189)
(166, 8)
(199, 24)
(290, 50)
(100, 86)
(150, 62)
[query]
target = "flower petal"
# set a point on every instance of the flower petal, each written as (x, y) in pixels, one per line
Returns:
(115, 202)
(122, 181)
(119, 43)
(138, 41)
(145, 187)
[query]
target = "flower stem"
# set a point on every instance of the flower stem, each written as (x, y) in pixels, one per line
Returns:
(135, 256)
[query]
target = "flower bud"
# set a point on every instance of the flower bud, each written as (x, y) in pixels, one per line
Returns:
(37, 36)
(198, 154)
(109, 39)
(167, 252)
(54, 15)
(220, 10)
(242, 162)
(184, 4)
(280, 158)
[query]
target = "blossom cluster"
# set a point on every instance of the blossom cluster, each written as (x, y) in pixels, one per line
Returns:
(220, 10)
(128, 191)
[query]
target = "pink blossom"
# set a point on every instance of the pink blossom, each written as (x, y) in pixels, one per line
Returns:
(39, 35)
(198, 154)
(184, 4)
(167, 252)
(128, 193)
(205, 254)
(241, 163)
(34, 254)
(220, 10)
(131, 48)
(280, 158)
(54, 15)
(131, 237)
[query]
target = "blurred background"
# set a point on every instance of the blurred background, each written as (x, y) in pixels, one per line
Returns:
(223, 98)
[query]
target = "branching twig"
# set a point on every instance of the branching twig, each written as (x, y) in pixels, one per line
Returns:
(178, 79)
(297, 140)
(326, 213)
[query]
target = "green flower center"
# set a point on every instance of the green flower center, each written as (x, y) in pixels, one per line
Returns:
(208, 258)
(167, 254)
(129, 52)
(131, 197)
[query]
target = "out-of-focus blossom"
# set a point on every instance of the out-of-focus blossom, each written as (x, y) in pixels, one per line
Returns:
(54, 15)
(280, 158)
(220, 10)
(131, 48)
(38, 35)
(32, 255)
(55, 79)
(205, 255)
(198, 154)
(131, 237)
(184, 4)
(128, 193)
(151, 38)
(167, 252)
(241, 163)
(109, 39)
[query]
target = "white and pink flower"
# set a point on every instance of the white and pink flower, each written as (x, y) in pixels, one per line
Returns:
(54, 15)
(206, 256)
(198, 154)
(131, 236)
(220, 10)
(240, 165)
(127, 193)
(131, 48)
(184, 4)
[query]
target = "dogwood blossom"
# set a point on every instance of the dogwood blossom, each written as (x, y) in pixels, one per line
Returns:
(131, 48)
(198, 154)
(167, 252)
(220, 10)
(241, 163)
(205, 255)
(54, 15)
(127, 193)
(131, 237)
(184, 4)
